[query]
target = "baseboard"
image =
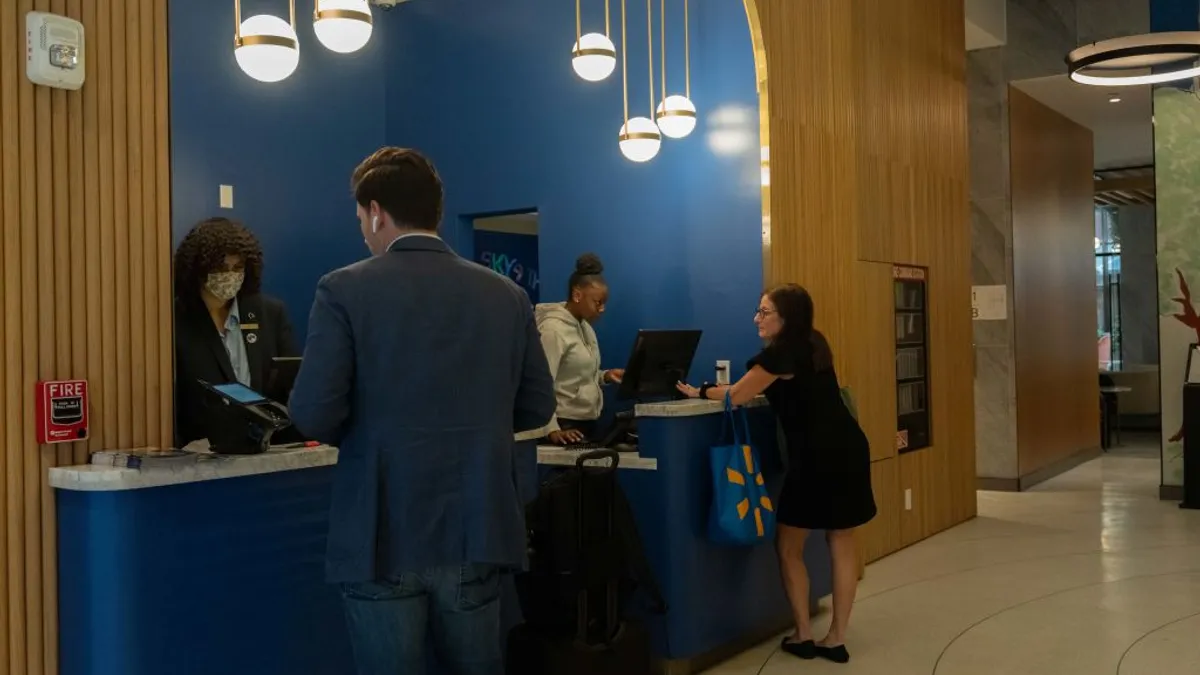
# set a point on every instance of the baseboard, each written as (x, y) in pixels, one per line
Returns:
(1040, 476)
(1060, 467)
(1170, 493)
(997, 484)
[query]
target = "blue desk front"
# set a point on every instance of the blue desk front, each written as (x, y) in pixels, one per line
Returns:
(222, 571)
(720, 598)
(212, 576)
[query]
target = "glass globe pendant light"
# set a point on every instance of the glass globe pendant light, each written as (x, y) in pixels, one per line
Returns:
(676, 115)
(594, 57)
(343, 26)
(639, 138)
(265, 46)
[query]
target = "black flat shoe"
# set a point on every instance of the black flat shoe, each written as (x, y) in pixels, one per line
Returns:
(836, 654)
(805, 649)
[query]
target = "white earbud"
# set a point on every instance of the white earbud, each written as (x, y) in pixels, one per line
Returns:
(374, 224)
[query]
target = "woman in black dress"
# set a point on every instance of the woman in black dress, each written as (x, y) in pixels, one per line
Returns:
(828, 484)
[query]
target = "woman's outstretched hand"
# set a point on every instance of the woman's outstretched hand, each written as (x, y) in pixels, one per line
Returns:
(687, 390)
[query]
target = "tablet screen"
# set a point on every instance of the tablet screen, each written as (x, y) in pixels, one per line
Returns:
(240, 393)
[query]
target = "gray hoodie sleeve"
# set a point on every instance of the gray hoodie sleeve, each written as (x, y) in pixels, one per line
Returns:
(553, 345)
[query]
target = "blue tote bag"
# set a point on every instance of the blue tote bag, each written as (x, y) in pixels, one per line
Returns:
(742, 512)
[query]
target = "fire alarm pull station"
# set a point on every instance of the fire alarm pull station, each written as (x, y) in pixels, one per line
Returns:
(62, 411)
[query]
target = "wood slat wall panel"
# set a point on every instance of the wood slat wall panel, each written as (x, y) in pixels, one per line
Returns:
(871, 359)
(13, 639)
(881, 536)
(84, 207)
(867, 126)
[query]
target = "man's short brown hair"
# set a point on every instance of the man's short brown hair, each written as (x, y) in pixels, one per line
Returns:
(404, 183)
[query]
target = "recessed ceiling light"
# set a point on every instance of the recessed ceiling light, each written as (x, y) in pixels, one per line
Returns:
(1113, 98)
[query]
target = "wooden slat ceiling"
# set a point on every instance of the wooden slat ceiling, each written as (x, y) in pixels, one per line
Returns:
(1125, 187)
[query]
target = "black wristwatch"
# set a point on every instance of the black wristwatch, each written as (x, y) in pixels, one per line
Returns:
(704, 390)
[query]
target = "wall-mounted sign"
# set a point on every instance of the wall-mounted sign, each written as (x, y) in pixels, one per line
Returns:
(62, 411)
(908, 273)
(989, 303)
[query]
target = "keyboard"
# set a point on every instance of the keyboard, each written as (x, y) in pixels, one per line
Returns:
(587, 445)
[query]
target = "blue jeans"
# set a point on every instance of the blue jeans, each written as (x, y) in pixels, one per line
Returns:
(390, 621)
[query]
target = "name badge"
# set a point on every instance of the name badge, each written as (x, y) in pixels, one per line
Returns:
(249, 326)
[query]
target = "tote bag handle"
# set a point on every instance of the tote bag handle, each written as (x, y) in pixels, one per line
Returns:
(741, 432)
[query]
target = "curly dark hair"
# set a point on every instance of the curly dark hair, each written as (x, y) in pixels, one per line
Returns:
(204, 249)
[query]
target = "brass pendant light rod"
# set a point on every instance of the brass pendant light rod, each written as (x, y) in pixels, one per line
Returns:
(607, 20)
(237, 21)
(625, 65)
(650, 51)
(662, 44)
(292, 13)
(687, 50)
(578, 24)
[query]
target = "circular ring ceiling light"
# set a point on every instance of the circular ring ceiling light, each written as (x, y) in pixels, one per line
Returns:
(1152, 58)
(343, 26)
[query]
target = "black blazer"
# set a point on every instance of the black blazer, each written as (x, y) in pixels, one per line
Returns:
(200, 355)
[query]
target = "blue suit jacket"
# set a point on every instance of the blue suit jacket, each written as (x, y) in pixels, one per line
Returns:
(420, 366)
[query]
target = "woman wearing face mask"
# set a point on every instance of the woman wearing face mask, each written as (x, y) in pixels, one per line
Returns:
(225, 330)
(828, 484)
(574, 354)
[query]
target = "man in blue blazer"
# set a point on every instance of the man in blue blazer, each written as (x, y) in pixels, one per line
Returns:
(420, 366)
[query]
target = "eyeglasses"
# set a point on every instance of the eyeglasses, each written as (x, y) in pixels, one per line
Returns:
(764, 313)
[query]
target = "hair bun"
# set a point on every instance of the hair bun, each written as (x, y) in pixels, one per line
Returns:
(589, 264)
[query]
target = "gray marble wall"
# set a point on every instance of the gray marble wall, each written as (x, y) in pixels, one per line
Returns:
(1040, 33)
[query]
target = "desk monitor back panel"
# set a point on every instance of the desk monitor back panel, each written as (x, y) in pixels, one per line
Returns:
(282, 377)
(660, 359)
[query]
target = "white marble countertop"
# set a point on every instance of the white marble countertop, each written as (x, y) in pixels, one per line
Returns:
(531, 435)
(200, 466)
(688, 408)
(552, 455)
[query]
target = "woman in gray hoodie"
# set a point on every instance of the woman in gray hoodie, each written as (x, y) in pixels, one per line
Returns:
(574, 354)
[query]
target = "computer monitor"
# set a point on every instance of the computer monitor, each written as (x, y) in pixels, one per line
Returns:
(660, 359)
(282, 377)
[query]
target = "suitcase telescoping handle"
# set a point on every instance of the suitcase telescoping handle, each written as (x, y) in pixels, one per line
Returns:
(599, 454)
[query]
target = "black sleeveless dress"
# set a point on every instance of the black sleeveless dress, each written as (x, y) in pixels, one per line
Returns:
(828, 483)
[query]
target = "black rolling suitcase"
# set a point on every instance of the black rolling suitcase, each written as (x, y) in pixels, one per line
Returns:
(578, 577)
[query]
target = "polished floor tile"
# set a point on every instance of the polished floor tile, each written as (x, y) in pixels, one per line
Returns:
(1087, 574)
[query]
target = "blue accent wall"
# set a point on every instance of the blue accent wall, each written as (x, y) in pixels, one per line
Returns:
(1174, 15)
(287, 148)
(487, 91)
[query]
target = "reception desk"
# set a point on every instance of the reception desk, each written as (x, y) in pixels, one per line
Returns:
(215, 564)
(196, 567)
(722, 599)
